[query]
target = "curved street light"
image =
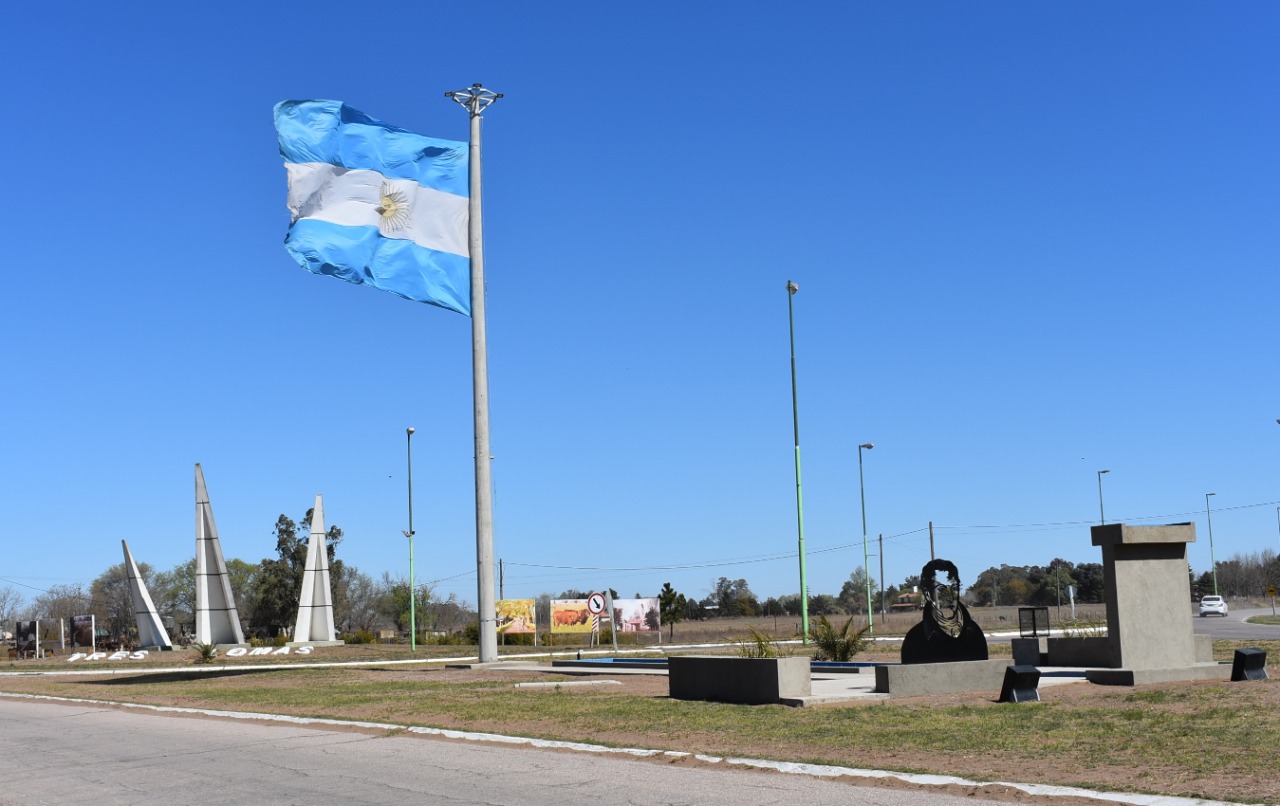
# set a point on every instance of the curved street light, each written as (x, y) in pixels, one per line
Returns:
(1102, 515)
(792, 288)
(413, 627)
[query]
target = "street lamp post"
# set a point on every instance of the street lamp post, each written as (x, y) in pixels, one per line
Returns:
(866, 568)
(413, 626)
(792, 288)
(1102, 515)
(1212, 562)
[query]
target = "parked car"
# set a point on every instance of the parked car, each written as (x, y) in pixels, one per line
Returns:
(1215, 605)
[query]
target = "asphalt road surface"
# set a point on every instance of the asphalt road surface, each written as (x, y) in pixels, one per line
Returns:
(71, 754)
(1234, 628)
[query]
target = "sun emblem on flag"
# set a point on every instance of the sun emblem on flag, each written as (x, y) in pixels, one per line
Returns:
(393, 208)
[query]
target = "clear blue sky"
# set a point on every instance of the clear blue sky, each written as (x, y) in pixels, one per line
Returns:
(1032, 241)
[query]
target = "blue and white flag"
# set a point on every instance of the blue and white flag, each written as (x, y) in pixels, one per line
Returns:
(376, 205)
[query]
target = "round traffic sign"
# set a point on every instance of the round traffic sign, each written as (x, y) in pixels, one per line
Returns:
(595, 604)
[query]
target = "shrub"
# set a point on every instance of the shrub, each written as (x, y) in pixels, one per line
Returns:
(757, 645)
(360, 637)
(451, 639)
(205, 653)
(836, 645)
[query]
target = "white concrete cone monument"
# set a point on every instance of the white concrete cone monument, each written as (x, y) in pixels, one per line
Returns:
(315, 603)
(217, 621)
(151, 632)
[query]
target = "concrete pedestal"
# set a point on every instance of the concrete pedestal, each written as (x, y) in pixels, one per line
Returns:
(749, 681)
(1148, 596)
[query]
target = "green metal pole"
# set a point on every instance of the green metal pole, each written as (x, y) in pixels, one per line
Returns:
(413, 594)
(792, 288)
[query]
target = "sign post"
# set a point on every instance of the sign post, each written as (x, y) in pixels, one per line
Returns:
(1271, 591)
(595, 606)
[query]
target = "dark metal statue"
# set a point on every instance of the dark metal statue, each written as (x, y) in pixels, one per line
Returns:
(947, 633)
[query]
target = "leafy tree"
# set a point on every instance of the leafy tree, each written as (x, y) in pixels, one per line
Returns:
(824, 604)
(790, 604)
(698, 609)
(1091, 585)
(772, 607)
(429, 614)
(673, 606)
(278, 582)
(1056, 581)
(651, 617)
(174, 594)
(113, 605)
(734, 598)
(853, 594)
(1204, 584)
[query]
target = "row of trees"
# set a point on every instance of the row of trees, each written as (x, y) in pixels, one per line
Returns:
(1242, 575)
(1007, 585)
(266, 594)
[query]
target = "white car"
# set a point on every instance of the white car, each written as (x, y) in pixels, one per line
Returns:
(1213, 605)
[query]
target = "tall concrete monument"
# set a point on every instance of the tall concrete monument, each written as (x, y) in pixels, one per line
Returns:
(1148, 595)
(315, 604)
(217, 621)
(151, 632)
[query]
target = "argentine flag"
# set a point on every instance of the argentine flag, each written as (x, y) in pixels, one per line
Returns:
(376, 205)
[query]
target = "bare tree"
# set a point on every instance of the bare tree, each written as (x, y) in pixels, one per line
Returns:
(10, 606)
(60, 602)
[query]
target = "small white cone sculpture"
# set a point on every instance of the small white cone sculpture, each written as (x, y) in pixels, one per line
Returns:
(315, 603)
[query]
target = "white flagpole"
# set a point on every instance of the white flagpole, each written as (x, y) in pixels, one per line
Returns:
(475, 100)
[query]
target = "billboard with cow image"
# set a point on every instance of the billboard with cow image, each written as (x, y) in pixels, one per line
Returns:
(570, 616)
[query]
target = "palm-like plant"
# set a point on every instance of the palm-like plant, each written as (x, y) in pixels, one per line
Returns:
(838, 645)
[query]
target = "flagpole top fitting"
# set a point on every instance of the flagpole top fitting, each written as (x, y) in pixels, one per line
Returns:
(475, 98)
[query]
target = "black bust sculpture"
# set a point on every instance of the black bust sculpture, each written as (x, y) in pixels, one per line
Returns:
(947, 632)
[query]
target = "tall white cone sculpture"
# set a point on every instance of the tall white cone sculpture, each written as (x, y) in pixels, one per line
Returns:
(217, 621)
(315, 603)
(151, 632)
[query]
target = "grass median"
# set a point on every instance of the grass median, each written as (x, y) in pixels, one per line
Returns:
(1202, 739)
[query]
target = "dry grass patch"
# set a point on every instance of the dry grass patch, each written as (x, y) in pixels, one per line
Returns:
(1208, 740)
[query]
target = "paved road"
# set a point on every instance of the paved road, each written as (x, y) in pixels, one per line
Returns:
(74, 754)
(1234, 628)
